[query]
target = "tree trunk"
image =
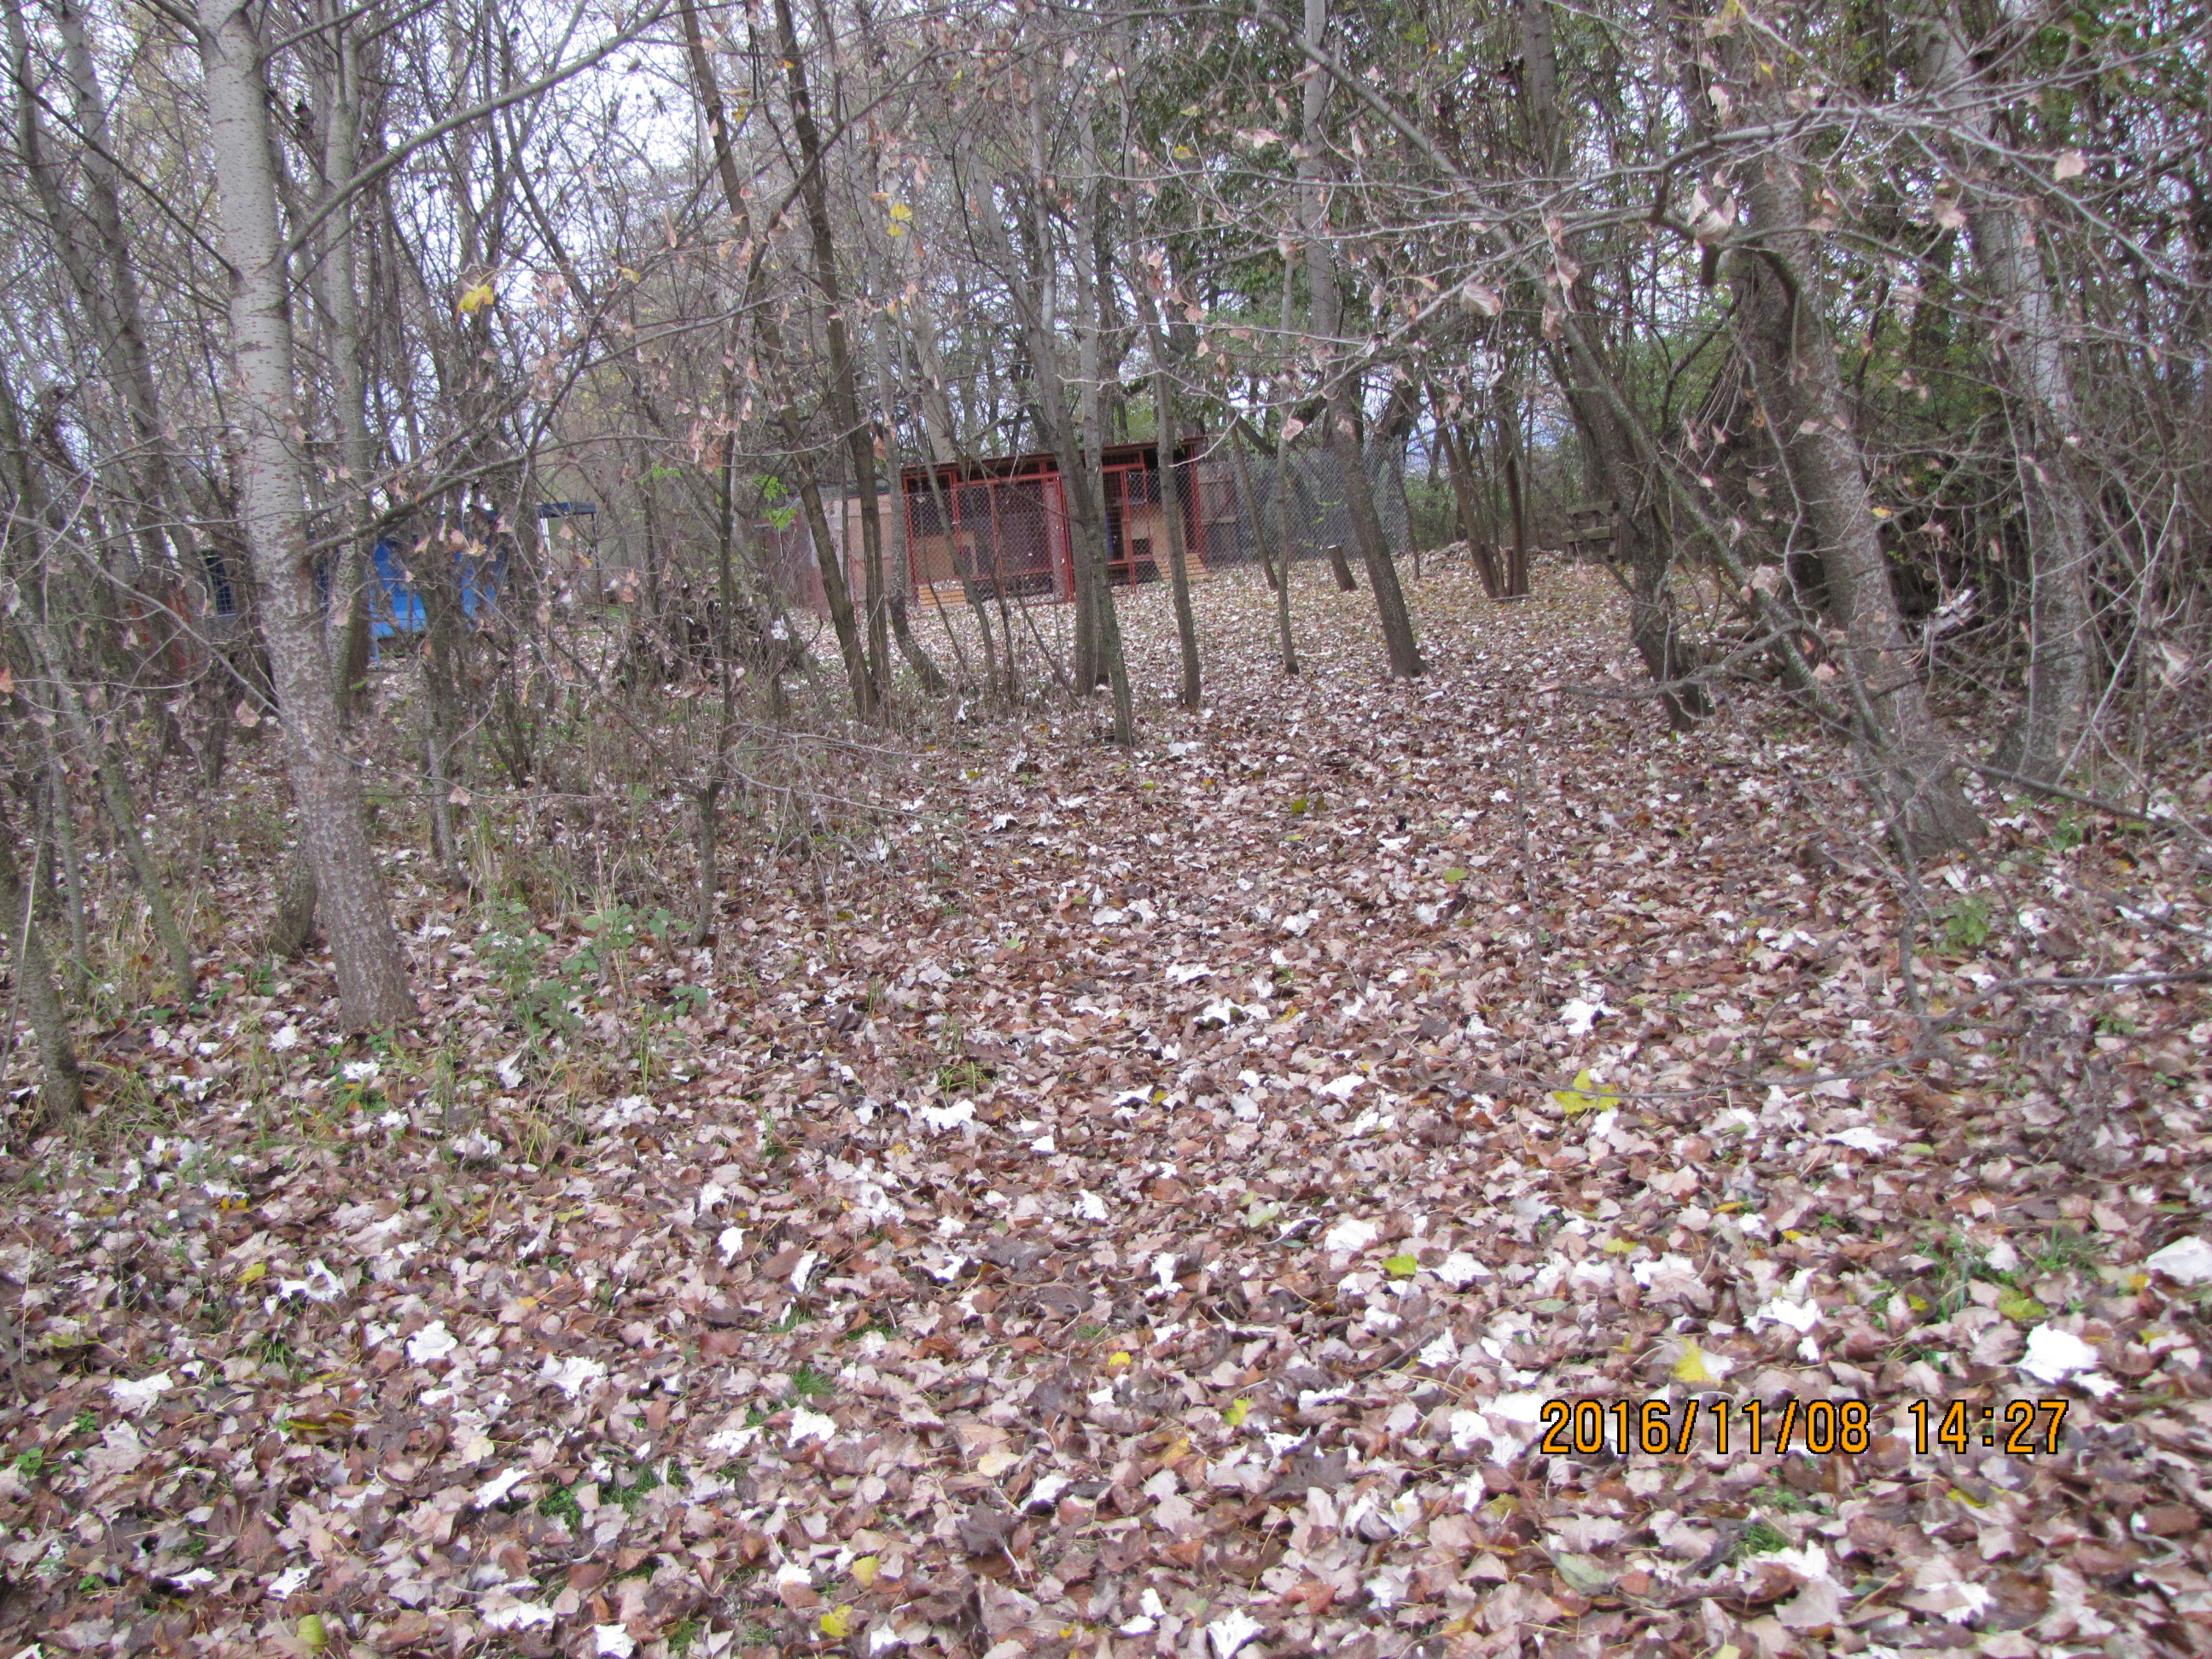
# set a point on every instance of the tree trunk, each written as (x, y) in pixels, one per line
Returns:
(1033, 306)
(95, 251)
(114, 780)
(61, 1086)
(61, 814)
(93, 743)
(835, 591)
(844, 397)
(1338, 383)
(705, 802)
(938, 438)
(1904, 759)
(437, 583)
(291, 925)
(1462, 468)
(1644, 539)
(337, 278)
(1517, 497)
(899, 577)
(2029, 346)
(1172, 498)
(333, 818)
(1286, 645)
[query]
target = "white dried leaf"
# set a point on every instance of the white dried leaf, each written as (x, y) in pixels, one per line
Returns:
(1351, 1234)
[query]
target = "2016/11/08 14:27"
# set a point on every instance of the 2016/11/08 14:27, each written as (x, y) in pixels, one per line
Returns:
(1662, 1427)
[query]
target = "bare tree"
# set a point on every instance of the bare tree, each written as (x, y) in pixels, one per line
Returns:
(372, 974)
(2030, 339)
(1339, 380)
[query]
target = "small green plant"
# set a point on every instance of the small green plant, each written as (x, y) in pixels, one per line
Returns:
(643, 1479)
(1785, 1500)
(33, 1463)
(1958, 1262)
(272, 1349)
(512, 949)
(612, 938)
(1760, 1537)
(2062, 1250)
(776, 505)
(1967, 924)
(2066, 835)
(2111, 1025)
(561, 1503)
(807, 1383)
(680, 1635)
(84, 1423)
(964, 1076)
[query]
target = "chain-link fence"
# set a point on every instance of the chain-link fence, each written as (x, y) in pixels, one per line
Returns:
(1298, 502)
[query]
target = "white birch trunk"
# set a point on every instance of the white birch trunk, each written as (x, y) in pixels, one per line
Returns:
(333, 820)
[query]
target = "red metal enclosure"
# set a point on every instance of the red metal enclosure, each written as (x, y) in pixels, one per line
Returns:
(1003, 525)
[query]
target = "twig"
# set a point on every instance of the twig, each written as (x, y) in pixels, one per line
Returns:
(2177, 822)
(1521, 805)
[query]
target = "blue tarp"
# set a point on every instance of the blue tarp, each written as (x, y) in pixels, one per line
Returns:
(396, 610)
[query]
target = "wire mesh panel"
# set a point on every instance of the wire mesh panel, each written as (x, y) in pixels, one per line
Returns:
(1309, 485)
(1009, 534)
(992, 535)
(1003, 525)
(1136, 534)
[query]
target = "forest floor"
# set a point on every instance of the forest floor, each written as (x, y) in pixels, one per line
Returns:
(1146, 1203)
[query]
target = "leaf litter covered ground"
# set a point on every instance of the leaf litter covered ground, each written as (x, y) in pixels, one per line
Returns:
(1145, 1209)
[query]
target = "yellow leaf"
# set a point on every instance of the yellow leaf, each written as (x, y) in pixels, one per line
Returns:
(863, 1572)
(897, 230)
(1401, 1265)
(1691, 1367)
(1585, 1095)
(1237, 1412)
(629, 276)
(476, 299)
(902, 212)
(1117, 1362)
(837, 1623)
(1617, 1246)
(312, 1633)
(251, 1271)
